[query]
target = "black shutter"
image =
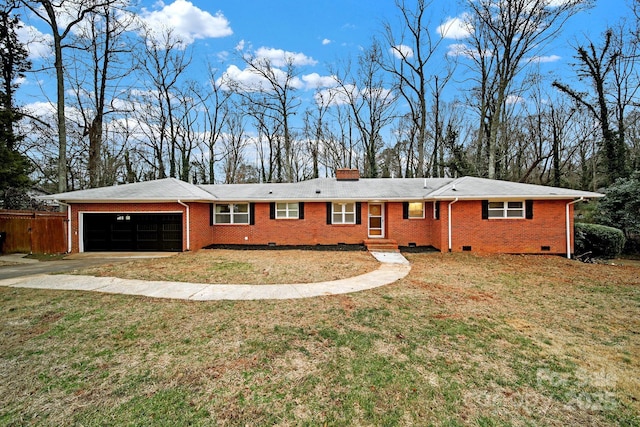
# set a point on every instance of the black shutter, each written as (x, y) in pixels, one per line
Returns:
(485, 209)
(437, 210)
(328, 213)
(211, 213)
(405, 210)
(301, 210)
(529, 209)
(252, 214)
(272, 210)
(358, 213)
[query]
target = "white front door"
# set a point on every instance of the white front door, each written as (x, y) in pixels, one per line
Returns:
(376, 220)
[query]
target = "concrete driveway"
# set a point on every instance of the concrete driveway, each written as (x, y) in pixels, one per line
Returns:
(393, 266)
(19, 266)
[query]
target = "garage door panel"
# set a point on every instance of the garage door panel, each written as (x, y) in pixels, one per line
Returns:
(132, 232)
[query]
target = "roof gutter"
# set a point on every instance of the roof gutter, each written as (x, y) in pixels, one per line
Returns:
(68, 223)
(449, 220)
(188, 225)
(569, 226)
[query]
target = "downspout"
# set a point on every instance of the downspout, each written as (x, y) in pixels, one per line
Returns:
(188, 226)
(68, 224)
(449, 220)
(569, 226)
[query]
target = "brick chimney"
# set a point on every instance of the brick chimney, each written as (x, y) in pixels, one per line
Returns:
(347, 174)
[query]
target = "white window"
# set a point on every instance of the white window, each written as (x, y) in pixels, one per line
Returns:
(506, 209)
(287, 211)
(416, 210)
(232, 213)
(344, 213)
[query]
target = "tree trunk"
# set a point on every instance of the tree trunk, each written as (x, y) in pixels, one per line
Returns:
(62, 126)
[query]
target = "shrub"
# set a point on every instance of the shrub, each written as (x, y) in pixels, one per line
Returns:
(620, 207)
(600, 240)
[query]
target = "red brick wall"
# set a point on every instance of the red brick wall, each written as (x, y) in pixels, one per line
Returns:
(547, 228)
(411, 230)
(311, 230)
(201, 230)
(347, 174)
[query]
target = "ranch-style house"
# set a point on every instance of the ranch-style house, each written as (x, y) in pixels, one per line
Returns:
(447, 214)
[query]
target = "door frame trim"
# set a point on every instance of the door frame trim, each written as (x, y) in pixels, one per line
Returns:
(382, 222)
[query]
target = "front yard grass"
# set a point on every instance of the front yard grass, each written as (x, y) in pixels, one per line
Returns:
(462, 340)
(251, 267)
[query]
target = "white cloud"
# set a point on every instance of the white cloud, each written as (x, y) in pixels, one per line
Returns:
(460, 49)
(326, 42)
(281, 58)
(402, 51)
(315, 81)
(47, 111)
(39, 45)
(222, 56)
(545, 59)
(240, 45)
(514, 99)
(40, 109)
(188, 22)
(455, 28)
(334, 96)
(346, 94)
(248, 80)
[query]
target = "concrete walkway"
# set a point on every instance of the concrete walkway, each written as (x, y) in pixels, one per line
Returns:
(393, 267)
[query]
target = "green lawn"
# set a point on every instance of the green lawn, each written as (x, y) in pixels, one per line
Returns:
(462, 340)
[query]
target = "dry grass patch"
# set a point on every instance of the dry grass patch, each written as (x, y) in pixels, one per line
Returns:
(7, 263)
(462, 340)
(221, 266)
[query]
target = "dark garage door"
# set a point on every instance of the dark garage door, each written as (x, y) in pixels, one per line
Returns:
(132, 232)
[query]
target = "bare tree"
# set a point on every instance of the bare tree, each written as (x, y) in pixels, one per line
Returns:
(371, 104)
(103, 59)
(215, 102)
(270, 98)
(316, 128)
(609, 69)
(340, 147)
(412, 48)
(234, 141)
(62, 17)
(503, 36)
(164, 62)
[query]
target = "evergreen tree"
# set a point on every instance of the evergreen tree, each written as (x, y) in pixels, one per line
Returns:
(14, 167)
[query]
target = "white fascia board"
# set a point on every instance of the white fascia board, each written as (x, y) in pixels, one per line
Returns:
(106, 201)
(515, 197)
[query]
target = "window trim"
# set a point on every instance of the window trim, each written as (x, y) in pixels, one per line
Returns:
(343, 212)
(422, 216)
(287, 211)
(505, 209)
(232, 214)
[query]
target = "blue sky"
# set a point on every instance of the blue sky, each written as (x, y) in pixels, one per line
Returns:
(320, 33)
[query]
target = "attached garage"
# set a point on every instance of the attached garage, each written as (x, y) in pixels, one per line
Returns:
(132, 232)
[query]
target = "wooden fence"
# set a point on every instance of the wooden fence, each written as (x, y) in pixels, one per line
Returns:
(34, 232)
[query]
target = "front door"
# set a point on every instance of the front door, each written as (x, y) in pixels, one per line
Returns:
(376, 220)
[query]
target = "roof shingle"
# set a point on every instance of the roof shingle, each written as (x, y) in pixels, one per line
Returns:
(323, 189)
